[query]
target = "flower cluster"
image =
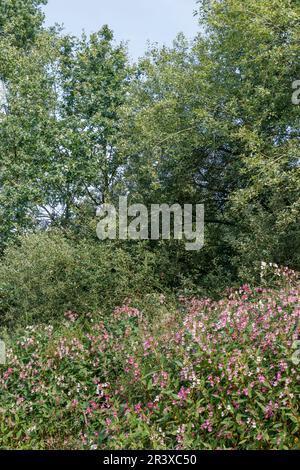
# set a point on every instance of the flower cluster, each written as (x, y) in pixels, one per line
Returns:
(207, 375)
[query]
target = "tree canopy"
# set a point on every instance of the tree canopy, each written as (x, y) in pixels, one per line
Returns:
(209, 121)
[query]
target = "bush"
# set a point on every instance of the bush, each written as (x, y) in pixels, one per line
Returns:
(46, 275)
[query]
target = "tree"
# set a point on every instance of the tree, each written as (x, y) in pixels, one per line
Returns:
(93, 80)
(252, 57)
(59, 134)
(214, 123)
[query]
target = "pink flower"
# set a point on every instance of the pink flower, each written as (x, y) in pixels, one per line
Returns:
(207, 426)
(71, 316)
(261, 378)
(269, 410)
(183, 393)
(138, 408)
(8, 373)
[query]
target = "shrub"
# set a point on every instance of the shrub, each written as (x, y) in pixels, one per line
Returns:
(46, 275)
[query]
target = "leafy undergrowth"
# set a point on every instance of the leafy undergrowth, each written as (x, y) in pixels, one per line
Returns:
(204, 375)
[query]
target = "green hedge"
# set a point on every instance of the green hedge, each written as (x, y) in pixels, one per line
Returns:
(46, 275)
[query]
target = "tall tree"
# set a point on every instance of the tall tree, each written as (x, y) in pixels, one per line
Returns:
(59, 134)
(215, 123)
(252, 56)
(93, 80)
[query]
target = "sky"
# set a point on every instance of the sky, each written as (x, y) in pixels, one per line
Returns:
(136, 21)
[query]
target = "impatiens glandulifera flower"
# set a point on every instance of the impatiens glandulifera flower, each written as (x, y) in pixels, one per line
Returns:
(213, 372)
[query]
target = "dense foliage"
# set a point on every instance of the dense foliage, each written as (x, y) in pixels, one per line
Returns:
(189, 360)
(47, 275)
(204, 375)
(210, 122)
